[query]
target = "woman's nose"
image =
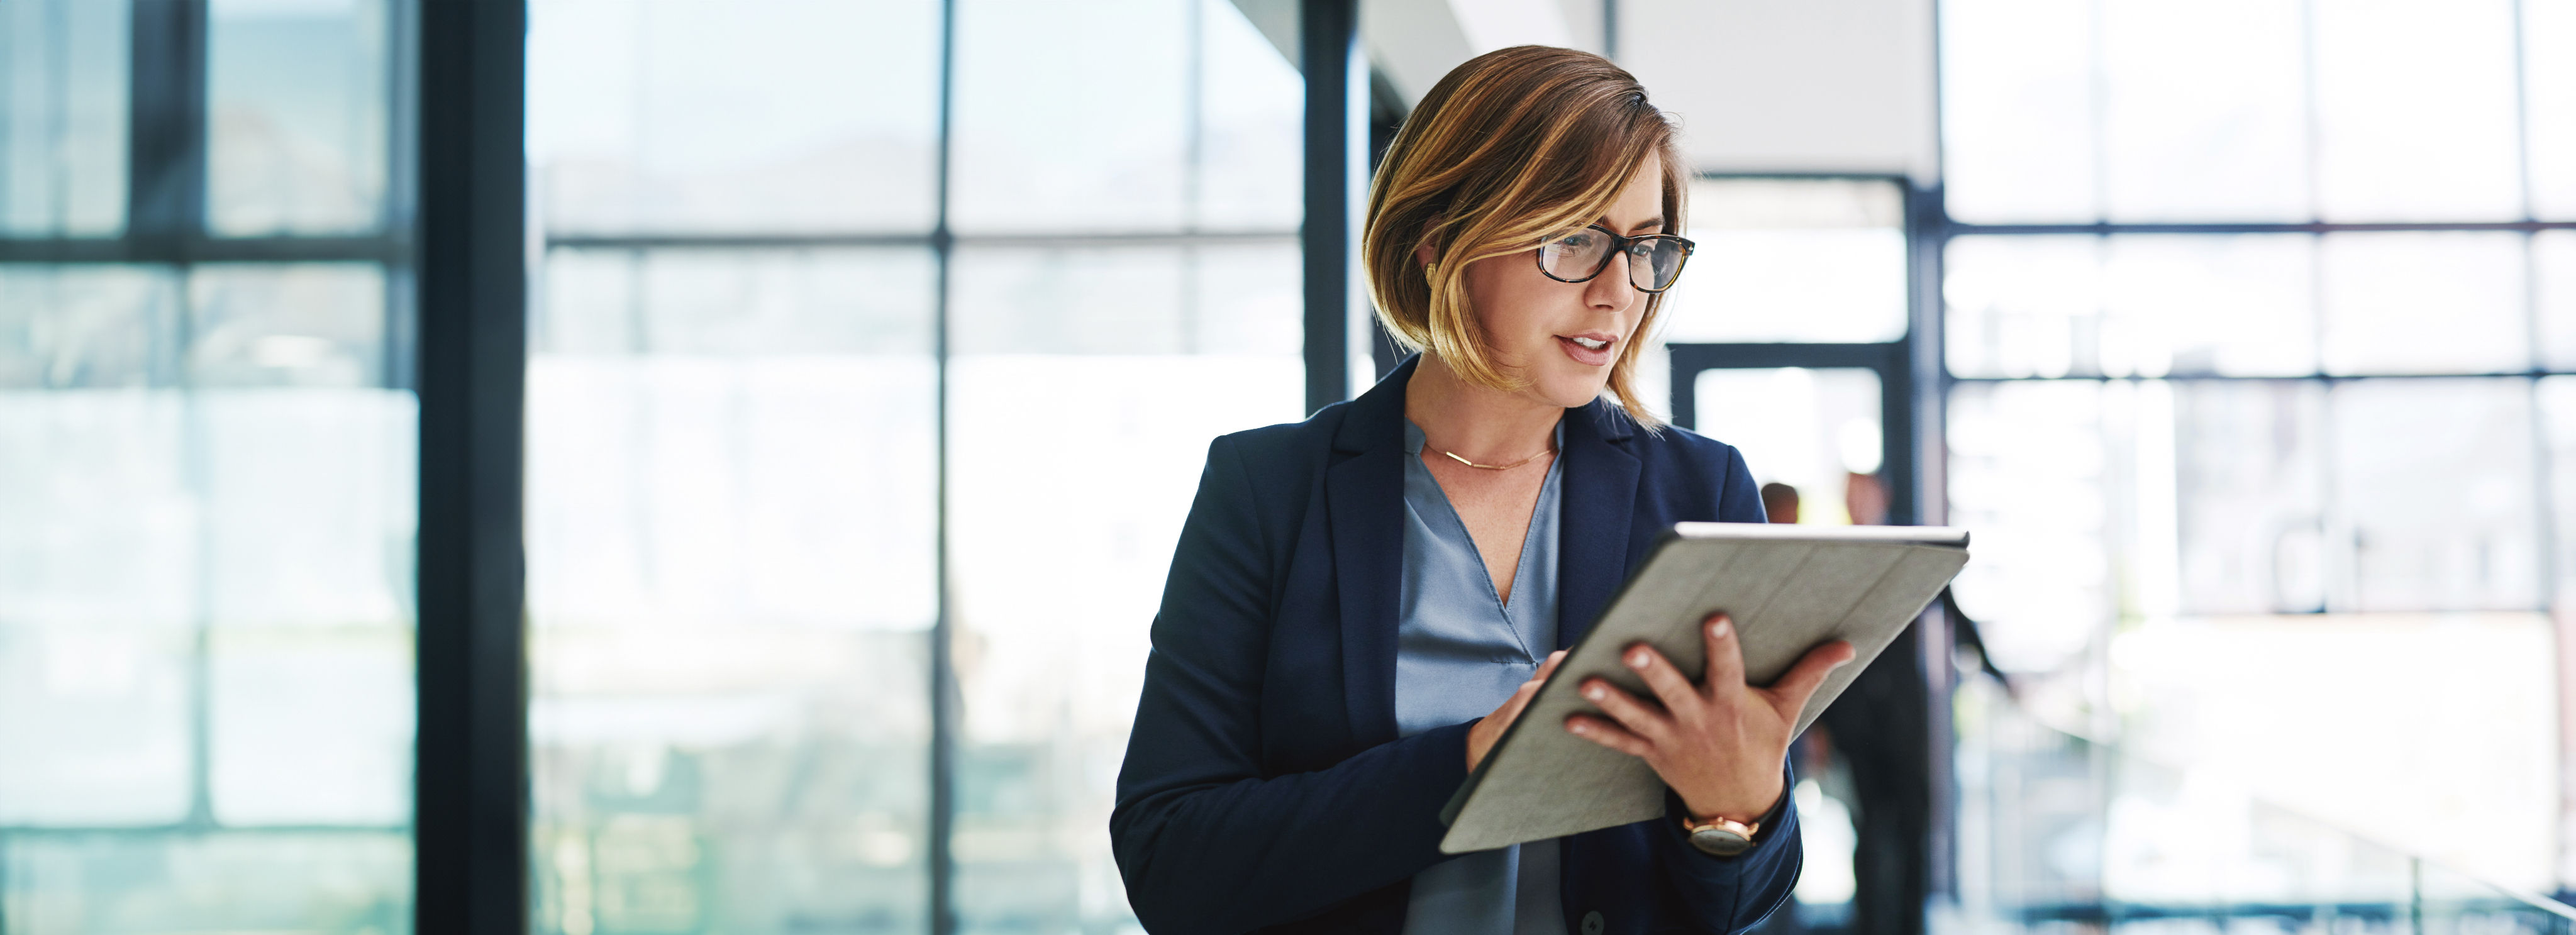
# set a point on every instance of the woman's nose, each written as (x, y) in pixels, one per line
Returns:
(1613, 288)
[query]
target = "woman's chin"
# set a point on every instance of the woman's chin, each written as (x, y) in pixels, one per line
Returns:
(1570, 393)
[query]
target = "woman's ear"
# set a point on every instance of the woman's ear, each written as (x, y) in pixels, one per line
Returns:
(1427, 253)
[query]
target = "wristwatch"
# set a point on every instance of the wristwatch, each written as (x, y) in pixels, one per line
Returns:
(1723, 837)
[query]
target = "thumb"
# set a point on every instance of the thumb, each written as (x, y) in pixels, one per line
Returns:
(1791, 692)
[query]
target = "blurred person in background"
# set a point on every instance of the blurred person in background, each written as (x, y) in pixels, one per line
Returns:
(1780, 502)
(1361, 603)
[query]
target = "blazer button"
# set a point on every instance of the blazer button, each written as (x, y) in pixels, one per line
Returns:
(1592, 923)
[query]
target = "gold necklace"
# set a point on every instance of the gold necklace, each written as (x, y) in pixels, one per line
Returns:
(1453, 456)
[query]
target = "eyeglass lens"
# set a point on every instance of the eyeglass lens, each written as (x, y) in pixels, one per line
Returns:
(1653, 262)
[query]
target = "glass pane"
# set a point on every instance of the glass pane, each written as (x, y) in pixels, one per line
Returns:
(2549, 105)
(2424, 303)
(1051, 628)
(1100, 300)
(207, 612)
(2558, 431)
(1035, 150)
(1791, 260)
(2131, 305)
(2205, 110)
(2236, 305)
(2017, 111)
(307, 473)
(312, 725)
(63, 73)
(353, 882)
(1248, 299)
(88, 327)
(2553, 268)
(2297, 710)
(99, 590)
(739, 116)
(2446, 520)
(730, 544)
(2416, 111)
(1814, 430)
(2027, 472)
(296, 116)
(311, 324)
(1251, 111)
(2251, 487)
(2023, 306)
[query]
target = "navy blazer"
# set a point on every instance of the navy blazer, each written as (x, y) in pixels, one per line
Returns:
(1265, 787)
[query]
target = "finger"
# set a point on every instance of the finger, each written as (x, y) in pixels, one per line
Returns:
(1670, 685)
(1632, 714)
(1511, 709)
(1724, 677)
(1789, 695)
(1608, 734)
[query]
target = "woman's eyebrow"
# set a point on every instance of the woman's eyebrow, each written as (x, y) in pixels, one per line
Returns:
(1647, 223)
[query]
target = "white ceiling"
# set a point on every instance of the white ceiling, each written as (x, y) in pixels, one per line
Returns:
(1767, 86)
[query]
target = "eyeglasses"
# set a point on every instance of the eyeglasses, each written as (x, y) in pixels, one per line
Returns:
(1654, 260)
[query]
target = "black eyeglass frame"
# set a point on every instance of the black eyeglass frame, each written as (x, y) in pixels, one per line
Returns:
(1619, 244)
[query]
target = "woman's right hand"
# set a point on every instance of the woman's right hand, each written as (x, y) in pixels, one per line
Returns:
(1482, 737)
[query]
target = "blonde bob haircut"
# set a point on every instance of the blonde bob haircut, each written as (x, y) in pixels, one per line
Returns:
(1513, 147)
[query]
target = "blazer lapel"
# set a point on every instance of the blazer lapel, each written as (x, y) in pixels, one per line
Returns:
(1364, 500)
(1600, 501)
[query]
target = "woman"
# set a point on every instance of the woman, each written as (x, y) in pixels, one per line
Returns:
(1363, 601)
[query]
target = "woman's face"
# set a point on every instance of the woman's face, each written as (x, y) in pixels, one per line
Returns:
(1561, 337)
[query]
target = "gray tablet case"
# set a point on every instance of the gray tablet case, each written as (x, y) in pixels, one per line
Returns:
(1789, 589)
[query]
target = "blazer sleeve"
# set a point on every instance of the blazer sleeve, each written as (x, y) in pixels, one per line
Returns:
(1206, 839)
(1734, 893)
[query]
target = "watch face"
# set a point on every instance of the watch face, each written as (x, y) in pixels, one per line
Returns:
(1720, 842)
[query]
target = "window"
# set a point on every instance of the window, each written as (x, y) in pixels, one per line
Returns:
(767, 344)
(2253, 315)
(206, 469)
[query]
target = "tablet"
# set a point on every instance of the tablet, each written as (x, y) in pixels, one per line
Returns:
(1789, 589)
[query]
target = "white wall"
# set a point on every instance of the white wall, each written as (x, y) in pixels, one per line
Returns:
(1791, 85)
(1760, 85)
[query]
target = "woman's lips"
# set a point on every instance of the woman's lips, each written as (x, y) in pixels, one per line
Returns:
(1588, 356)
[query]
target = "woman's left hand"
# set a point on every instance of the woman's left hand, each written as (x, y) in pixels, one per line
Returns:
(1718, 744)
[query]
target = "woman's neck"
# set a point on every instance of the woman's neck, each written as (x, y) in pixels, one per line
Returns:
(1480, 424)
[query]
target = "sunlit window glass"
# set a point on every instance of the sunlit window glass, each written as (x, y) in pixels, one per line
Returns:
(2553, 277)
(1033, 149)
(2027, 471)
(207, 516)
(2416, 111)
(1249, 110)
(297, 97)
(2018, 111)
(759, 116)
(2549, 105)
(2444, 522)
(63, 114)
(2424, 303)
(2230, 472)
(2204, 110)
(730, 540)
(2250, 495)
(2023, 306)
